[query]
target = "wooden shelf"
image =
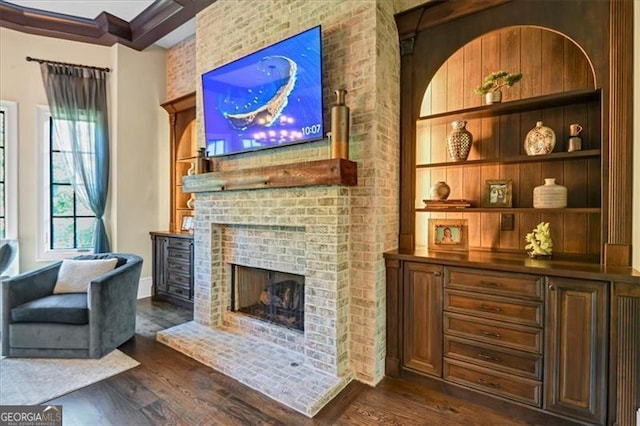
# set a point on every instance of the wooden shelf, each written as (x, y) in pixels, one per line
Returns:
(589, 210)
(310, 173)
(523, 105)
(554, 156)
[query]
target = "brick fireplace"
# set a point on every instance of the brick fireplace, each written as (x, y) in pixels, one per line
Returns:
(301, 231)
(343, 231)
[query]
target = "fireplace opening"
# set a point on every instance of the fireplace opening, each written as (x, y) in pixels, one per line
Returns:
(272, 296)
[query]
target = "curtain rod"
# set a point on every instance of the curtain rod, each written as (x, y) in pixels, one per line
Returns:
(40, 61)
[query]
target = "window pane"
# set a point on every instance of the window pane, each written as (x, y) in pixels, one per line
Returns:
(2, 228)
(62, 237)
(60, 171)
(81, 210)
(85, 232)
(2, 199)
(62, 200)
(2, 164)
(2, 126)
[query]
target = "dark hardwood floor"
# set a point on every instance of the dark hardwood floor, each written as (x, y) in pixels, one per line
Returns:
(169, 388)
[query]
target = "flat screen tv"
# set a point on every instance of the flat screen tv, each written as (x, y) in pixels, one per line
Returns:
(272, 97)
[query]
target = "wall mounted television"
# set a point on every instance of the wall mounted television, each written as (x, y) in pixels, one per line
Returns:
(269, 98)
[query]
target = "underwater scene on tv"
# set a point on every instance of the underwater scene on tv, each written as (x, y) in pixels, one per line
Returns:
(272, 97)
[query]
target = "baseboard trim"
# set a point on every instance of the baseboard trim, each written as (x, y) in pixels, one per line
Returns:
(144, 288)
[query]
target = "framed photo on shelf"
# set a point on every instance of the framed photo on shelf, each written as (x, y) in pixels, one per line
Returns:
(497, 193)
(448, 235)
(187, 223)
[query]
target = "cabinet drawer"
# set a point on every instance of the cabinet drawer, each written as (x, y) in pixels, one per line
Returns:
(180, 243)
(505, 385)
(179, 265)
(491, 356)
(500, 308)
(173, 253)
(181, 292)
(179, 279)
(517, 285)
(494, 332)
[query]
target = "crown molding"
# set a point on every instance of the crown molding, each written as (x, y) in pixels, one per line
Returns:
(153, 23)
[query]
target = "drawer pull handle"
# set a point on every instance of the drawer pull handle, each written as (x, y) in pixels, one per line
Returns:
(437, 273)
(489, 333)
(489, 357)
(491, 384)
(490, 308)
(491, 283)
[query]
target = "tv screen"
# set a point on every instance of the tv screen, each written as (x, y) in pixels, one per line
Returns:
(272, 97)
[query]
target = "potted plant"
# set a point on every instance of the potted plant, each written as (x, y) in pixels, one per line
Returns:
(493, 82)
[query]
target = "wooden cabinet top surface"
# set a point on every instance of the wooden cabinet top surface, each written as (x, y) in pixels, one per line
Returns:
(514, 262)
(185, 234)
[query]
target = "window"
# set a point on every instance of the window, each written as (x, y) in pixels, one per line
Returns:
(66, 224)
(8, 170)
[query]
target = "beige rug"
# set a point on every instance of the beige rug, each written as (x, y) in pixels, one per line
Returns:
(29, 381)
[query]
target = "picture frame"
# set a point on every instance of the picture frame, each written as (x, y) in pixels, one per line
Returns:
(448, 235)
(187, 223)
(497, 193)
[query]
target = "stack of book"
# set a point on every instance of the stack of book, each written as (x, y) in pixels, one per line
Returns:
(446, 204)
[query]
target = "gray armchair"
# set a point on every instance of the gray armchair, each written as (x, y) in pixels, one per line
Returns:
(38, 324)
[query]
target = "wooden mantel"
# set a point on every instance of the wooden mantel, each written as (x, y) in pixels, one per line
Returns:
(311, 173)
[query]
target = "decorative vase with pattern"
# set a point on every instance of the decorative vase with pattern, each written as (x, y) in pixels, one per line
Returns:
(540, 140)
(459, 141)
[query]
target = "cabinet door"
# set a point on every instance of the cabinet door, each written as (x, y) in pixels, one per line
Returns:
(160, 264)
(576, 345)
(423, 318)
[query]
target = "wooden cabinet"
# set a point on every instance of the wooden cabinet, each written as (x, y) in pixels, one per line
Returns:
(173, 267)
(576, 349)
(556, 336)
(493, 343)
(423, 318)
(447, 49)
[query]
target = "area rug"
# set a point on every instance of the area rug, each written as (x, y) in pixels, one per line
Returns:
(29, 381)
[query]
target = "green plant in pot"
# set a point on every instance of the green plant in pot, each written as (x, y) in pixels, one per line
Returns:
(494, 82)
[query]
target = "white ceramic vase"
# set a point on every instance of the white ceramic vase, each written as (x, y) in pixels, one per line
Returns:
(550, 195)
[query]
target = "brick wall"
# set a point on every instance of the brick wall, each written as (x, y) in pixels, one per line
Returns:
(181, 68)
(360, 53)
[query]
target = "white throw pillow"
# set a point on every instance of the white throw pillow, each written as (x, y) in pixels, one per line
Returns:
(74, 276)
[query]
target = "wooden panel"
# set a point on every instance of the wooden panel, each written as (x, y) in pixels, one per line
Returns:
(506, 284)
(494, 357)
(494, 332)
(530, 65)
(423, 318)
(552, 50)
(394, 317)
(508, 386)
(321, 172)
(472, 73)
(620, 169)
(510, 43)
(576, 324)
(494, 307)
(624, 374)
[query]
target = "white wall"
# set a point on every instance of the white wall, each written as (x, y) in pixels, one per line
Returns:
(636, 137)
(139, 135)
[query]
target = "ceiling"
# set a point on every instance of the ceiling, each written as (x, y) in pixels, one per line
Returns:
(134, 23)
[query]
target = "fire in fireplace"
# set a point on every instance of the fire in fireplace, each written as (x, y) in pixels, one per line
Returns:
(272, 296)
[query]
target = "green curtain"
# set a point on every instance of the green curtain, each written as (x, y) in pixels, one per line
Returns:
(77, 99)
